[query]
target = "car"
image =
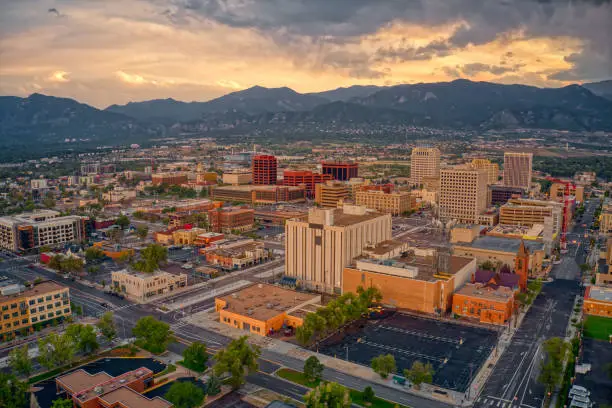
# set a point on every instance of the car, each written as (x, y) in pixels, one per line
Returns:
(104, 304)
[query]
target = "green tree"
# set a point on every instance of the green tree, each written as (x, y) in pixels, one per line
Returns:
(328, 395)
(368, 394)
(488, 265)
(384, 365)
(151, 334)
(142, 231)
(123, 221)
(551, 368)
(106, 325)
(55, 350)
(151, 258)
(13, 393)
(62, 403)
(195, 357)
(237, 359)
(213, 385)
(419, 373)
(20, 362)
(55, 262)
(185, 394)
(83, 337)
(93, 253)
(49, 202)
(313, 369)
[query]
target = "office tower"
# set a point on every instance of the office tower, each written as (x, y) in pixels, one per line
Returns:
(319, 246)
(341, 171)
(424, 162)
(306, 177)
(492, 169)
(394, 203)
(517, 169)
(264, 169)
(330, 193)
(463, 194)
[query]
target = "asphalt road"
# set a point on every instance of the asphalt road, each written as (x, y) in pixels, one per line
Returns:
(513, 382)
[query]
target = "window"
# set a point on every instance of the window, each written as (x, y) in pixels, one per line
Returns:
(4, 308)
(15, 314)
(40, 300)
(41, 309)
(14, 306)
(32, 302)
(48, 298)
(32, 311)
(66, 310)
(6, 316)
(34, 319)
(24, 321)
(49, 307)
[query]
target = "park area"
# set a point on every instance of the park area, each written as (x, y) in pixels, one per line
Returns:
(598, 327)
(456, 352)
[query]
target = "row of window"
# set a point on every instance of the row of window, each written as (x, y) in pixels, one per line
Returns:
(41, 318)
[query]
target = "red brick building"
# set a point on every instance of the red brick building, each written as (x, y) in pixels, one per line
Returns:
(232, 218)
(307, 178)
(264, 169)
(341, 171)
(171, 179)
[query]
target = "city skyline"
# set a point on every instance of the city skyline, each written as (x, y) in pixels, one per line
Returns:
(114, 52)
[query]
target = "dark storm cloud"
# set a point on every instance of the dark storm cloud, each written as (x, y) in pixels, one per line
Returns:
(54, 11)
(476, 68)
(485, 21)
(406, 53)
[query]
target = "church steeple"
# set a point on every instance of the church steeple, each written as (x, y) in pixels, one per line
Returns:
(521, 264)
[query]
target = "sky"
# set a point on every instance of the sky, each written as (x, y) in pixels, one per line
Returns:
(103, 52)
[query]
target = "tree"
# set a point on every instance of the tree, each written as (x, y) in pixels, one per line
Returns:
(185, 394)
(62, 403)
(151, 334)
(384, 365)
(326, 395)
(20, 362)
(151, 258)
(107, 327)
(551, 368)
(313, 369)
(368, 394)
(55, 262)
(13, 393)
(93, 253)
(213, 385)
(487, 265)
(83, 337)
(236, 359)
(419, 373)
(49, 201)
(142, 231)
(55, 350)
(195, 357)
(123, 221)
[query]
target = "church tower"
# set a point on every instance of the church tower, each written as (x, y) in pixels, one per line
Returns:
(521, 265)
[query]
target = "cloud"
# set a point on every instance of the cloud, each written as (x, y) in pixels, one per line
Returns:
(133, 79)
(437, 48)
(58, 76)
(226, 83)
(54, 11)
(476, 68)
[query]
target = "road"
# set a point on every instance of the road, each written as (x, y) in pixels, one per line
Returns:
(513, 382)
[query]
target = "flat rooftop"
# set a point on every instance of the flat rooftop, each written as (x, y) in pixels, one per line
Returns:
(501, 244)
(80, 380)
(426, 265)
(113, 383)
(600, 293)
(263, 302)
(384, 247)
(500, 294)
(38, 289)
(129, 398)
(252, 187)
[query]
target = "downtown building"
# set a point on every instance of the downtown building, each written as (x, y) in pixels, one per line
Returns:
(340, 170)
(394, 203)
(463, 194)
(45, 227)
(264, 169)
(307, 178)
(424, 162)
(518, 169)
(318, 247)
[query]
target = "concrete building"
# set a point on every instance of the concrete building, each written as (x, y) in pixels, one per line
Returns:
(318, 248)
(277, 216)
(420, 284)
(264, 169)
(23, 308)
(236, 177)
(141, 286)
(340, 170)
(492, 169)
(487, 304)
(518, 169)
(265, 309)
(500, 195)
(557, 191)
(175, 178)
(424, 162)
(598, 301)
(44, 227)
(226, 219)
(463, 194)
(260, 194)
(306, 178)
(524, 212)
(331, 193)
(102, 390)
(119, 194)
(394, 203)
(236, 255)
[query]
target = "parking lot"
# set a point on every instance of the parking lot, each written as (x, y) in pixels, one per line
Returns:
(456, 352)
(598, 353)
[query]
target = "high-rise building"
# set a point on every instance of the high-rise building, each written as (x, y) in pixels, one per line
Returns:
(424, 162)
(341, 171)
(330, 193)
(307, 178)
(518, 169)
(394, 203)
(463, 194)
(492, 169)
(264, 169)
(523, 212)
(319, 246)
(501, 194)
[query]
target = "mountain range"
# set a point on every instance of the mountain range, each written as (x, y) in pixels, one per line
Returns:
(460, 104)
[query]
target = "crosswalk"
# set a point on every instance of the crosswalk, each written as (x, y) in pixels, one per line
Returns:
(495, 402)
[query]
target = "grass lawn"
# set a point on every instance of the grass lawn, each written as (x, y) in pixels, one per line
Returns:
(597, 327)
(356, 396)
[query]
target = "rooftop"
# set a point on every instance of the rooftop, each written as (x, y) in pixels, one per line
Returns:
(500, 294)
(263, 302)
(600, 293)
(129, 398)
(80, 380)
(417, 267)
(37, 289)
(252, 187)
(108, 385)
(501, 244)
